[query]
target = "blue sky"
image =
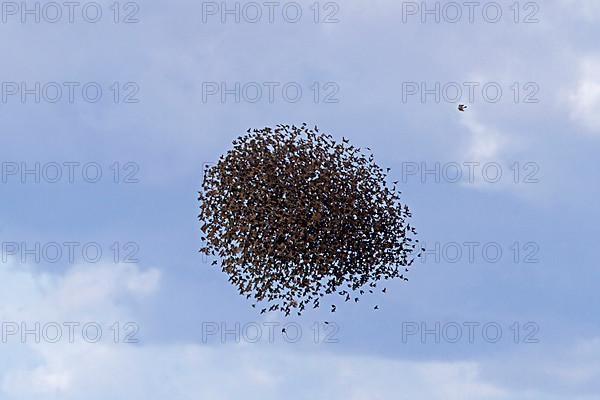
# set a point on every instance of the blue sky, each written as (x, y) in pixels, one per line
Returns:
(363, 61)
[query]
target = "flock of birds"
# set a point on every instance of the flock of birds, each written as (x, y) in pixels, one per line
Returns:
(294, 216)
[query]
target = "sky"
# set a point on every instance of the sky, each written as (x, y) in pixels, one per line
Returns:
(109, 110)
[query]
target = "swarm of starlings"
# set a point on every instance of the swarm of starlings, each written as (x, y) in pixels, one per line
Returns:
(294, 216)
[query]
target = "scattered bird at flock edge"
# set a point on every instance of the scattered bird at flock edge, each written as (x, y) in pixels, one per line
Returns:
(462, 107)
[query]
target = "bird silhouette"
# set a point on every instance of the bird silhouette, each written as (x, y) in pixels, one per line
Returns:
(462, 107)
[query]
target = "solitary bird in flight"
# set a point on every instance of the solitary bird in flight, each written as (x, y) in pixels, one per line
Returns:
(462, 107)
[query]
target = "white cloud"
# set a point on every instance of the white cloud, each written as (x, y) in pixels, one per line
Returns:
(490, 148)
(191, 371)
(485, 144)
(182, 371)
(92, 290)
(584, 98)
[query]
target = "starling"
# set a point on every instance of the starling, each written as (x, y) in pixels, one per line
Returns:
(295, 216)
(462, 107)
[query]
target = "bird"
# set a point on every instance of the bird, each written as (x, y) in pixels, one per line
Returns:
(284, 331)
(376, 308)
(462, 107)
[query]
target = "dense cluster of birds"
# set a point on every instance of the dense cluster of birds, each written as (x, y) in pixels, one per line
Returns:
(294, 216)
